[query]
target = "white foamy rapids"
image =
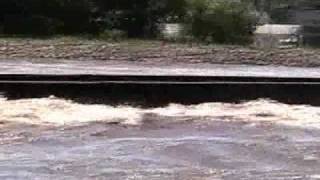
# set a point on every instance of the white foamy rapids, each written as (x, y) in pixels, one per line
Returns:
(53, 111)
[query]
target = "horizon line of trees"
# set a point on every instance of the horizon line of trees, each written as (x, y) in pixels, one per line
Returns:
(213, 20)
(39, 17)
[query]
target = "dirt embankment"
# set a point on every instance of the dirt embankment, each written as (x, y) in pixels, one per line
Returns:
(154, 52)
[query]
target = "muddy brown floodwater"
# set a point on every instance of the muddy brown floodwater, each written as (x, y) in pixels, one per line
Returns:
(52, 138)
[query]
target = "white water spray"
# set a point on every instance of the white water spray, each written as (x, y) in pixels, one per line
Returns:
(59, 112)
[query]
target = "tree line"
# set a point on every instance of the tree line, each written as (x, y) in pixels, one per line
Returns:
(137, 17)
(212, 20)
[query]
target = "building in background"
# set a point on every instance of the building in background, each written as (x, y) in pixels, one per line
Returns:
(305, 13)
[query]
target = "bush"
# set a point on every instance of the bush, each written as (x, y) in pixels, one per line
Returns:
(220, 21)
(39, 17)
(34, 25)
(114, 35)
(207, 20)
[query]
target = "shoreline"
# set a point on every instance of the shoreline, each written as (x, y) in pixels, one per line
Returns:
(153, 52)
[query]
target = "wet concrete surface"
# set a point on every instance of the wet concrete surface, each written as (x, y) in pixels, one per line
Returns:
(91, 67)
(189, 150)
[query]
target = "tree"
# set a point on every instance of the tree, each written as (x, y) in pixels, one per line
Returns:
(45, 17)
(139, 18)
(220, 21)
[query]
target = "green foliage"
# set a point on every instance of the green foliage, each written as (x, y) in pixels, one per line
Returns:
(114, 35)
(210, 20)
(139, 18)
(220, 21)
(45, 17)
(32, 25)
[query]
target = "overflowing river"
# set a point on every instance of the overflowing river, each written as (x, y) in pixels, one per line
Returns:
(61, 112)
(53, 138)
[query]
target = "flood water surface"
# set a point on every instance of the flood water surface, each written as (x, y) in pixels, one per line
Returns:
(61, 112)
(54, 138)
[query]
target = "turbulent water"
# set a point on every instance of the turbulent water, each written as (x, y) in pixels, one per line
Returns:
(52, 138)
(54, 111)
